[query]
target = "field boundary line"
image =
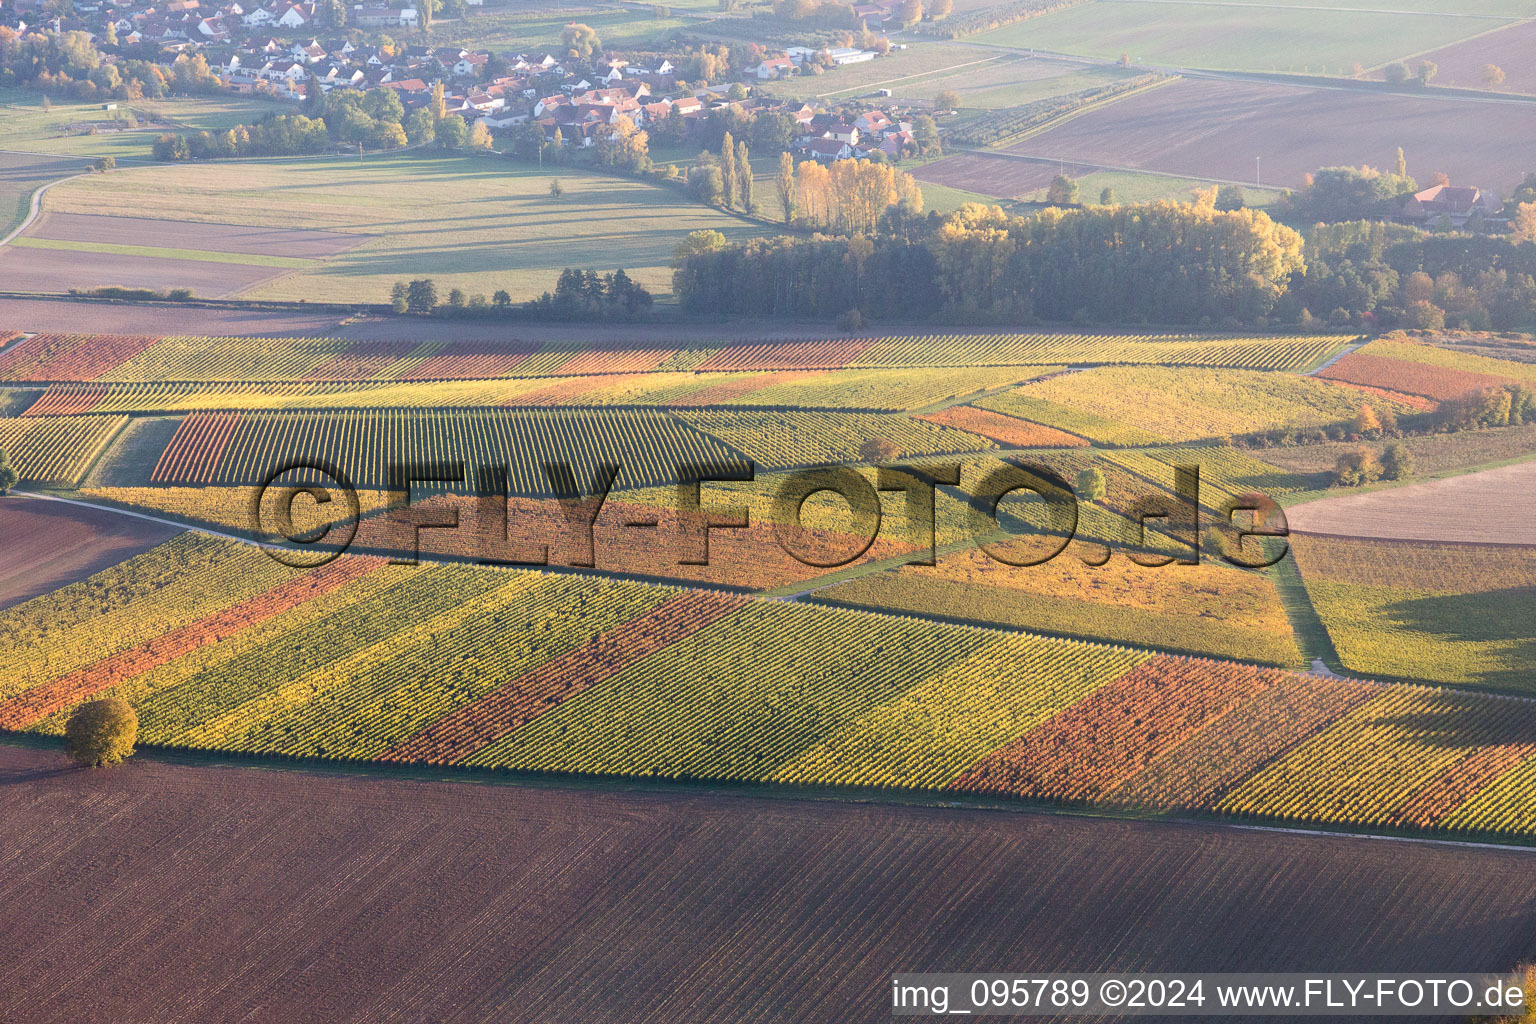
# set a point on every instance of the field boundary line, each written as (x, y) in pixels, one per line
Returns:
(1445, 46)
(1030, 158)
(1508, 19)
(1329, 834)
(1340, 354)
(1076, 112)
(782, 593)
(1292, 80)
(165, 253)
(933, 799)
(37, 205)
(908, 78)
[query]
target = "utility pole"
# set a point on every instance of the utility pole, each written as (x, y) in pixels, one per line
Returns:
(1257, 164)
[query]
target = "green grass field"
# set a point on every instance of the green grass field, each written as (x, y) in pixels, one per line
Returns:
(1131, 187)
(1470, 8)
(1245, 36)
(157, 252)
(920, 71)
(480, 224)
(26, 127)
(946, 200)
(1064, 80)
(540, 31)
(21, 174)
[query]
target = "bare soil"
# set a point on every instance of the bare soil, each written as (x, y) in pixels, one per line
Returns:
(159, 891)
(168, 234)
(66, 315)
(48, 544)
(1461, 64)
(997, 174)
(58, 270)
(1215, 128)
(1495, 506)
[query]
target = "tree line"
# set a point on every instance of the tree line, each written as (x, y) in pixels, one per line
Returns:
(1163, 262)
(1371, 275)
(578, 295)
(375, 119)
(70, 63)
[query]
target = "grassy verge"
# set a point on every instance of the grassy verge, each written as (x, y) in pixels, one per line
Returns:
(156, 252)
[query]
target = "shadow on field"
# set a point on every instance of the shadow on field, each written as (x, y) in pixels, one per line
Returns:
(1499, 616)
(38, 774)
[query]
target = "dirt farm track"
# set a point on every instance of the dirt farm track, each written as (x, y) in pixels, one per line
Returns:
(160, 891)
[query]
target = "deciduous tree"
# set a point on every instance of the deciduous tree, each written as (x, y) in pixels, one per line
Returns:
(8, 475)
(744, 179)
(1063, 191)
(580, 39)
(1090, 484)
(784, 183)
(1397, 462)
(1357, 467)
(421, 295)
(728, 171)
(101, 732)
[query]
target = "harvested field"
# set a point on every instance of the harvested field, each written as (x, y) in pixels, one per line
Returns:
(1211, 128)
(49, 544)
(478, 226)
(63, 314)
(1495, 506)
(1306, 36)
(1461, 64)
(234, 238)
(298, 896)
(996, 174)
(59, 270)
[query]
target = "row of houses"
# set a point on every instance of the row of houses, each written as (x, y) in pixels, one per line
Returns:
(826, 137)
(265, 49)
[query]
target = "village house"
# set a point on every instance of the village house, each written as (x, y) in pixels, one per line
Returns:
(1457, 203)
(774, 67)
(296, 16)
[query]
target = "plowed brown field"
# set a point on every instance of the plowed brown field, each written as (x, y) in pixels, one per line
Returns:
(159, 891)
(49, 544)
(1212, 128)
(1461, 64)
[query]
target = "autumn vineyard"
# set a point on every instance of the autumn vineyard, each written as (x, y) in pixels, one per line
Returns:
(1360, 682)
